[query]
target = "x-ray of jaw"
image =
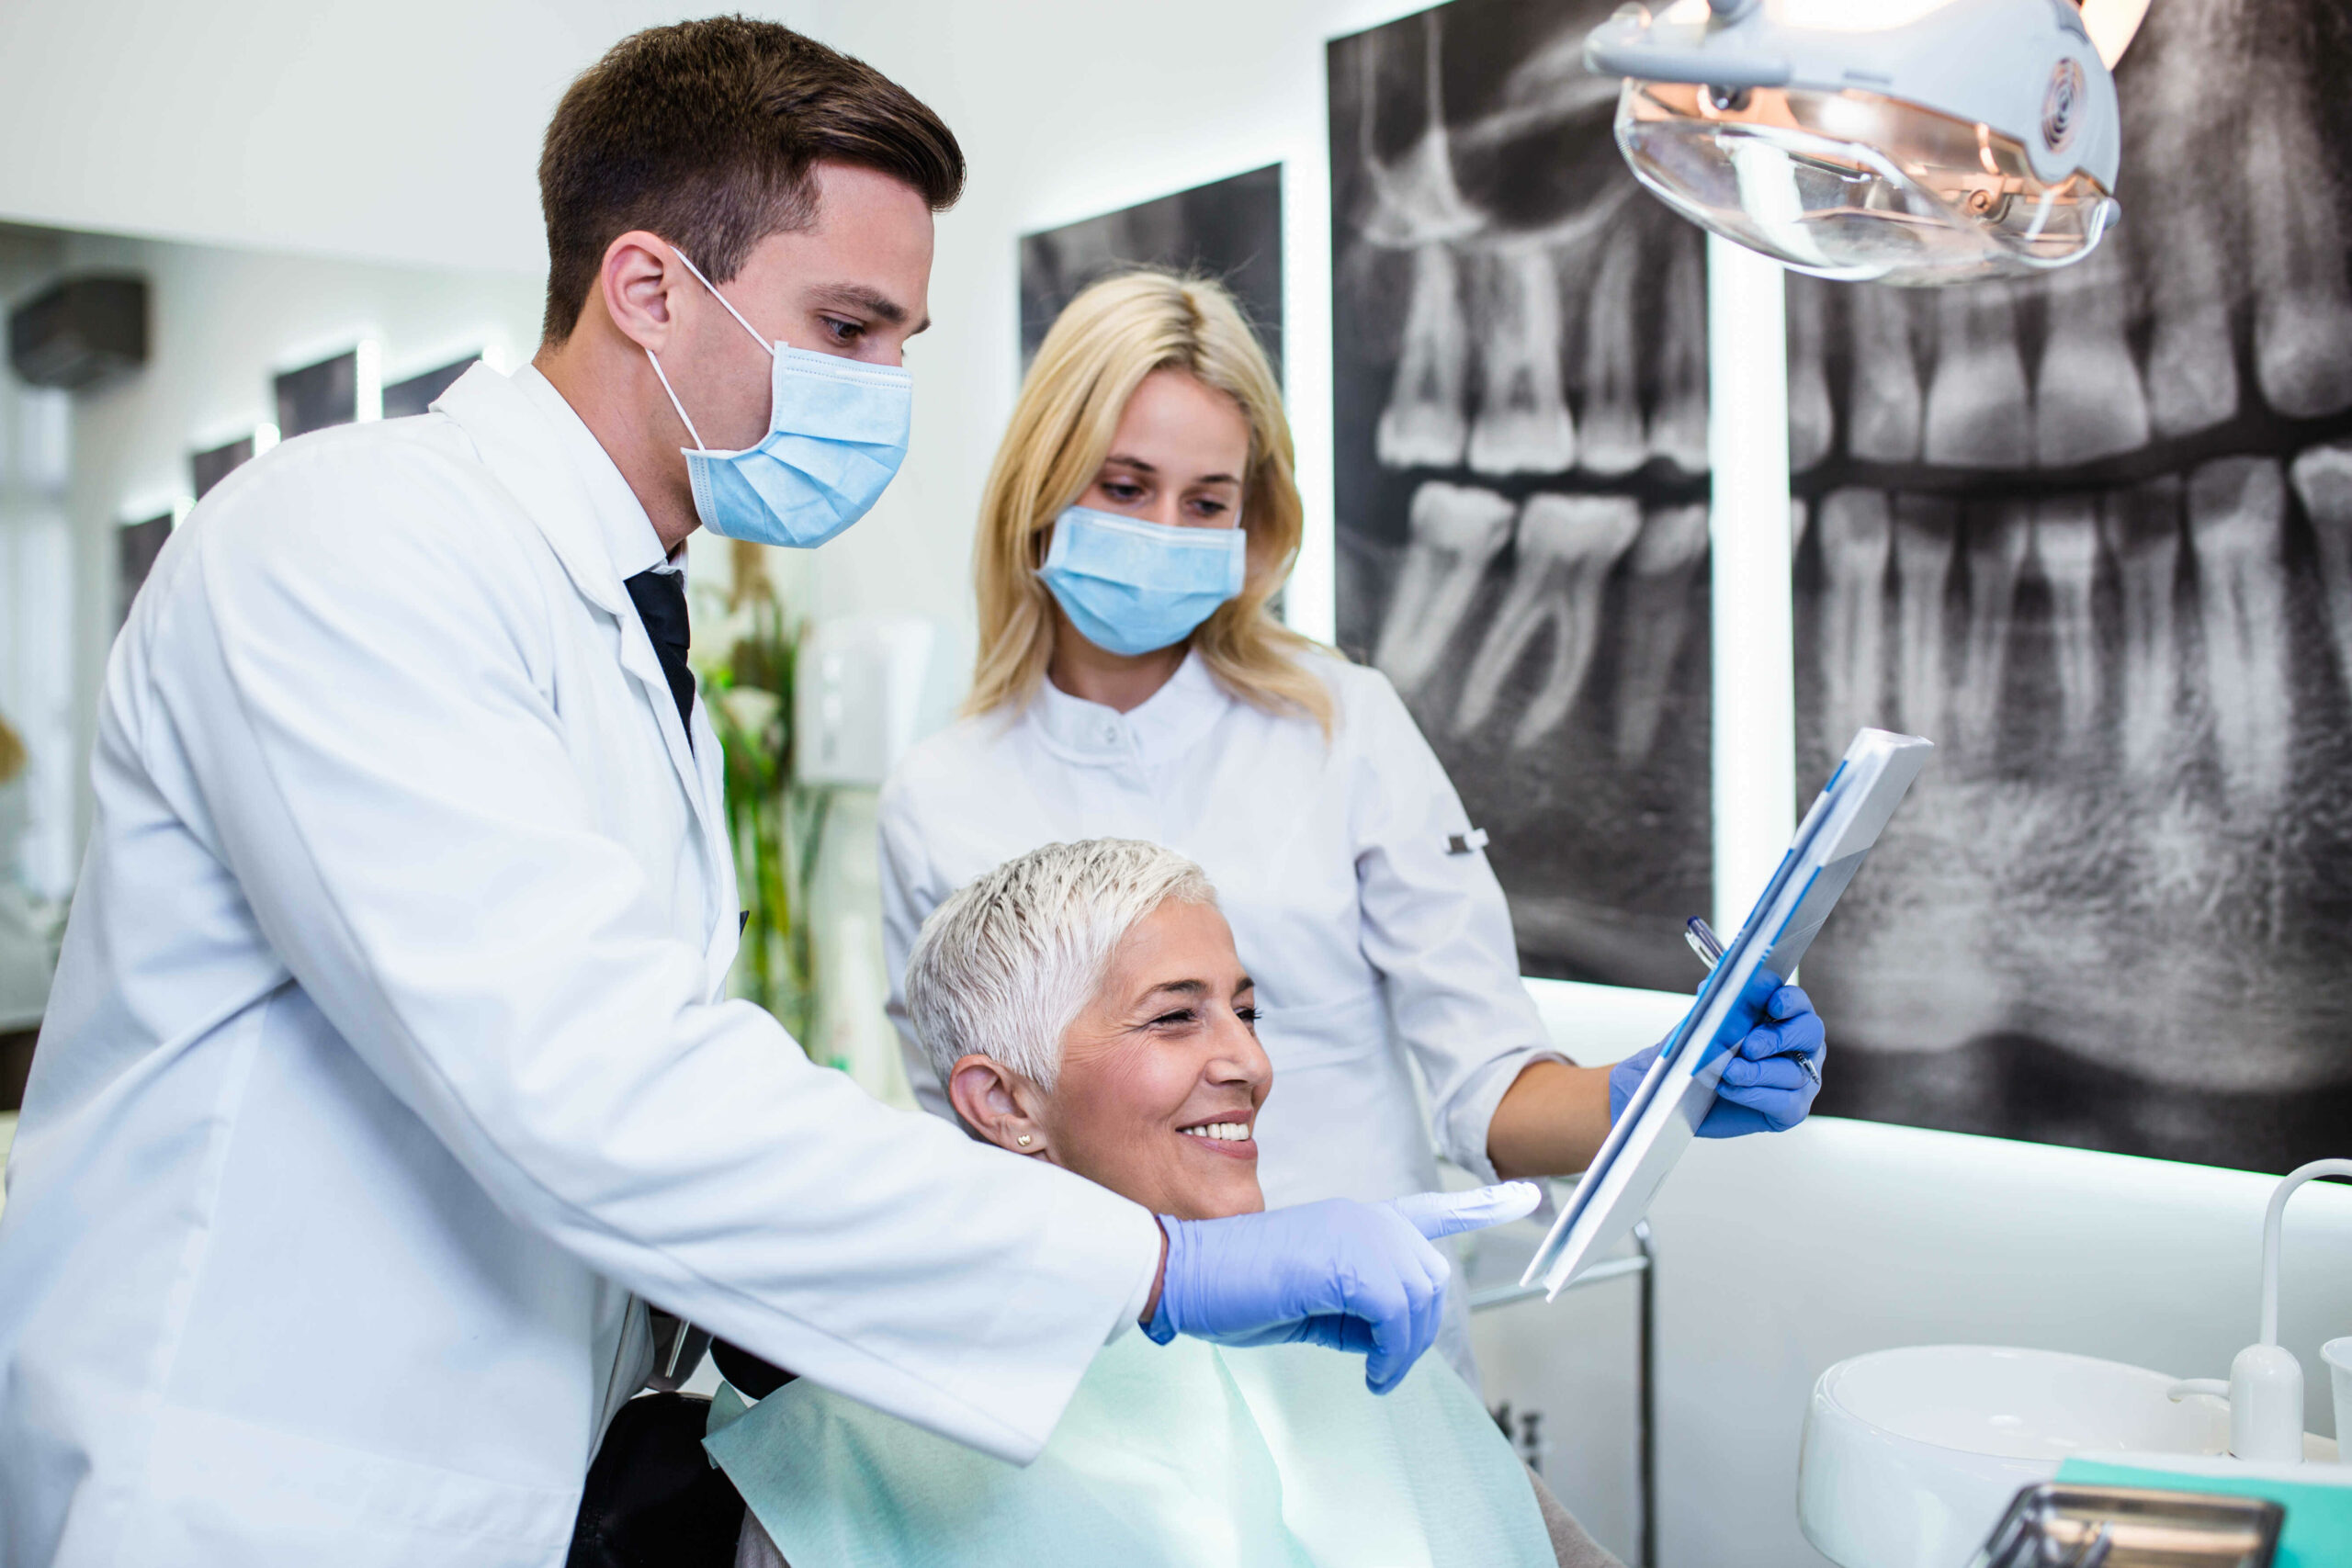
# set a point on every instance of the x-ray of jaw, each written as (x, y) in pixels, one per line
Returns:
(2093, 537)
(1521, 393)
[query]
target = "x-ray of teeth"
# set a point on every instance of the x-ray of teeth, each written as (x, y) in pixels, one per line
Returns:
(2088, 402)
(1569, 546)
(1425, 425)
(1613, 440)
(1856, 538)
(1924, 530)
(1977, 404)
(2237, 516)
(1813, 423)
(1523, 425)
(1661, 568)
(1679, 415)
(1519, 387)
(2092, 534)
(2322, 479)
(1457, 531)
(2065, 546)
(2303, 323)
(2143, 533)
(1229, 228)
(1887, 410)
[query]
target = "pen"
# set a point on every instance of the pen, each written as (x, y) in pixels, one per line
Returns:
(1703, 942)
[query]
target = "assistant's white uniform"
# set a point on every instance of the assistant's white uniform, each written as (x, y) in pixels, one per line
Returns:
(387, 1064)
(1372, 938)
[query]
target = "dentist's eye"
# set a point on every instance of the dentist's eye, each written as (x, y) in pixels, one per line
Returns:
(844, 333)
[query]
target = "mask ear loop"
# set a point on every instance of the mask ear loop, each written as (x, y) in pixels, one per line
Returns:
(674, 402)
(724, 300)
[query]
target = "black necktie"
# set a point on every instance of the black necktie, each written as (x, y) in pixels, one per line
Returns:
(661, 601)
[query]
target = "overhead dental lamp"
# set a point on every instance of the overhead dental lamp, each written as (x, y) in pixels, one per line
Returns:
(1908, 141)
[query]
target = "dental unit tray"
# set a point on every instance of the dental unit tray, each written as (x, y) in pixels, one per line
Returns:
(1676, 1093)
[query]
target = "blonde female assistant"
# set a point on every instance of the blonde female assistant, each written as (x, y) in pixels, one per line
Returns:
(1132, 682)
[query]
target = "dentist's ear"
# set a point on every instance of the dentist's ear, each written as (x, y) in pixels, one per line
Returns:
(990, 1097)
(638, 284)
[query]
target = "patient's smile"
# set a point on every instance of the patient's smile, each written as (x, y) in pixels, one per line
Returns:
(1228, 1139)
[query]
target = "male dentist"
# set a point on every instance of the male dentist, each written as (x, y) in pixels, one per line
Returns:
(389, 1073)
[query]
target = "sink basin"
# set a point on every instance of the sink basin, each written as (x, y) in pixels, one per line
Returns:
(1910, 1456)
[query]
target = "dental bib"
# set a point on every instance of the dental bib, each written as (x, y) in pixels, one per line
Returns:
(1168, 1456)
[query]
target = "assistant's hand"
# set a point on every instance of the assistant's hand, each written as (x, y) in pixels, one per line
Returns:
(1763, 1088)
(1358, 1276)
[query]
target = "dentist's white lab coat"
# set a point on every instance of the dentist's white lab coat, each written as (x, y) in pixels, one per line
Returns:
(1374, 929)
(387, 1066)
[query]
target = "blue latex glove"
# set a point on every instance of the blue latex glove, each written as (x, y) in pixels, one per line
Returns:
(1763, 1090)
(1357, 1277)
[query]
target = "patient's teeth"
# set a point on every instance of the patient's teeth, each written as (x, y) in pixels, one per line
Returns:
(1882, 406)
(2236, 509)
(2322, 479)
(1854, 547)
(1422, 425)
(1658, 615)
(2302, 318)
(1976, 404)
(1613, 392)
(2086, 398)
(1925, 530)
(1678, 422)
(1523, 425)
(2143, 525)
(1812, 424)
(1457, 530)
(2066, 540)
(1998, 536)
(1567, 544)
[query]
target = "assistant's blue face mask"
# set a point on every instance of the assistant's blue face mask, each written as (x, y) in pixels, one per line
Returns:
(837, 432)
(1131, 587)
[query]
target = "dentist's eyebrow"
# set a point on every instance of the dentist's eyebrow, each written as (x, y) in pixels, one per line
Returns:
(851, 297)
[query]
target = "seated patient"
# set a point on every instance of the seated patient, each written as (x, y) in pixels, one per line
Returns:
(1084, 1006)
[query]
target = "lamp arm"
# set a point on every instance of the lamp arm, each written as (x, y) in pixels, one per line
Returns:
(2270, 1226)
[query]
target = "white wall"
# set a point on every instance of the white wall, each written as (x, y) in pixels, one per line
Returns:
(1778, 1256)
(223, 322)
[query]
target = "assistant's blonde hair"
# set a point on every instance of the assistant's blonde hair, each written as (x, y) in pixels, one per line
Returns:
(1111, 336)
(11, 753)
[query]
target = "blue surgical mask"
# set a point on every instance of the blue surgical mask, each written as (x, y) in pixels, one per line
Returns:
(837, 432)
(1130, 587)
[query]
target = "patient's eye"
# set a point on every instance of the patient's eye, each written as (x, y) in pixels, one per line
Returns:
(1248, 1015)
(1173, 1020)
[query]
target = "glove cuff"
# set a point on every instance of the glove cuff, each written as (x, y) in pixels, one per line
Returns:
(1162, 1326)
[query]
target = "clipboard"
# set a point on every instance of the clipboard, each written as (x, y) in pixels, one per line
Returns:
(1675, 1095)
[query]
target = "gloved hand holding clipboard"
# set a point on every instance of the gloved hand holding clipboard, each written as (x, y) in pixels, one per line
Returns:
(1677, 1092)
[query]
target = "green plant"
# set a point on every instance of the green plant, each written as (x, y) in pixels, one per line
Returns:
(776, 823)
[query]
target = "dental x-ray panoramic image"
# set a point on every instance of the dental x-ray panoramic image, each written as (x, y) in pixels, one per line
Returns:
(2092, 536)
(1520, 415)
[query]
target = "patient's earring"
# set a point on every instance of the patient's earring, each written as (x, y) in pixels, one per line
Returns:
(1022, 1140)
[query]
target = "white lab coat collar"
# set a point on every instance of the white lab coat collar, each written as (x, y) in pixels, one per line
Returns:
(553, 466)
(629, 536)
(530, 438)
(1161, 728)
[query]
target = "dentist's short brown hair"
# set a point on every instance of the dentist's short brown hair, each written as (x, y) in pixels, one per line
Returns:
(707, 133)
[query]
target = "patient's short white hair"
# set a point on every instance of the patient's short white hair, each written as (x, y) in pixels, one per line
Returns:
(1005, 966)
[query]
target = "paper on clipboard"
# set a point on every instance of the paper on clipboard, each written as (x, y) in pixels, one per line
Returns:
(1676, 1093)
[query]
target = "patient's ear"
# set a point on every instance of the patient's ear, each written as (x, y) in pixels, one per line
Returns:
(991, 1100)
